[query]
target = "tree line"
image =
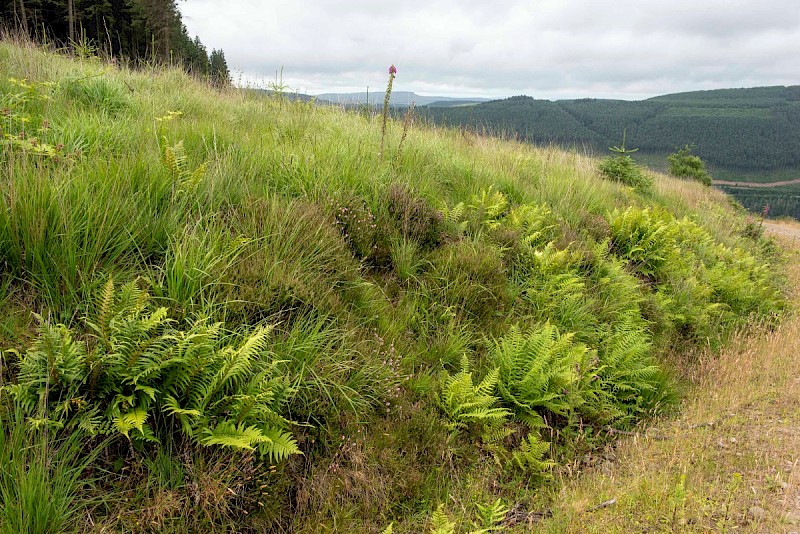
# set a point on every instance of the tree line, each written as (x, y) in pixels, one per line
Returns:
(140, 30)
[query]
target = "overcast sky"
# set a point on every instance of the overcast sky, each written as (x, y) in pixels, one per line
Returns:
(542, 48)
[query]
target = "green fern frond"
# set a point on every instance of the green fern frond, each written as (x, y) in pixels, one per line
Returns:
(172, 407)
(440, 523)
(227, 434)
(538, 371)
(529, 457)
(491, 517)
(491, 204)
(134, 419)
(177, 163)
(280, 445)
(464, 403)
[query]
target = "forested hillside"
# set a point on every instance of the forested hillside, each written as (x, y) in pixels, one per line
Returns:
(744, 134)
(135, 30)
(737, 129)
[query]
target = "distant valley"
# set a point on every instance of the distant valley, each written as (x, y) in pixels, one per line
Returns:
(398, 98)
(745, 135)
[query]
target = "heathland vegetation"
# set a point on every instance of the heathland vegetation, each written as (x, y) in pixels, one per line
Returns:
(224, 310)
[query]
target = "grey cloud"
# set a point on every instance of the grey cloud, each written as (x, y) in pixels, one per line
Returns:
(545, 48)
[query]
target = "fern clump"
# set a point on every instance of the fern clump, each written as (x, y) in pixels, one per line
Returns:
(144, 378)
(529, 457)
(625, 382)
(702, 288)
(489, 518)
(468, 405)
(539, 373)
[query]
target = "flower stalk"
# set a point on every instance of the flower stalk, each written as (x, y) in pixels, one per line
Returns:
(385, 119)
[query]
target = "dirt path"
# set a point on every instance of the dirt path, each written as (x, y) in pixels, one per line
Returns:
(756, 184)
(790, 231)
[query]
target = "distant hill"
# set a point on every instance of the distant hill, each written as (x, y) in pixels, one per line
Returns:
(734, 129)
(399, 98)
(745, 135)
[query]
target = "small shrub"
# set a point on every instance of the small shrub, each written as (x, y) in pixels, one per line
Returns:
(624, 170)
(414, 217)
(753, 228)
(621, 168)
(684, 164)
(357, 224)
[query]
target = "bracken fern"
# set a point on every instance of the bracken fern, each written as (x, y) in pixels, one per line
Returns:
(143, 378)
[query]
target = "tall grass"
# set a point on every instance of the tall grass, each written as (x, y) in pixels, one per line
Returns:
(42, 476)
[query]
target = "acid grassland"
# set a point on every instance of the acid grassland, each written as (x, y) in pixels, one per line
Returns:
(225, 311)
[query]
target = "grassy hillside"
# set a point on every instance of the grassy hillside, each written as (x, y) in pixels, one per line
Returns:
(227, 311)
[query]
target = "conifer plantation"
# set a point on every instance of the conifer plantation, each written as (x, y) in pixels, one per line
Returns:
(133, 31)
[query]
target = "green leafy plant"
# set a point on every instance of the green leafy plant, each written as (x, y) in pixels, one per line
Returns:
(22, 126)
(469, 405)
(177, 163)
(539, 372)
(684, 164)
(491, 517)
(530, 459)
(625, 383)
(490, 205)
(145, 379)
(440, 523)
(648, 240)
(621, 168)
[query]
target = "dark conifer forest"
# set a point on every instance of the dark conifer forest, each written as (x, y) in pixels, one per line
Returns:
(134, 30)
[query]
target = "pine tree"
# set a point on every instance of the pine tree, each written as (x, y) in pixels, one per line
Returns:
(220, 76)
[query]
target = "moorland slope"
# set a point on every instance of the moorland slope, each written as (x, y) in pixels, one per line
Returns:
(222, 310)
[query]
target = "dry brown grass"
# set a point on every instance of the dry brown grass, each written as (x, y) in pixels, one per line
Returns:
(730, 462)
